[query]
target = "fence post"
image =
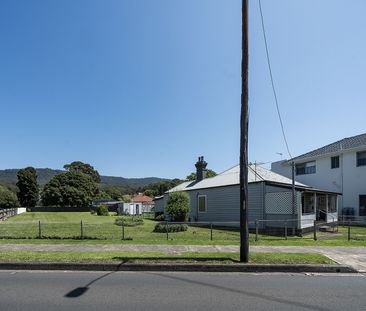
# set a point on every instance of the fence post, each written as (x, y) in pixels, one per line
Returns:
(81, 230)
(123, 230)
(342, 220)
(256, 229)
(166, 229)
(211, 230)
(39, 230)
(315, 230)
(285, 229)
(349, 230)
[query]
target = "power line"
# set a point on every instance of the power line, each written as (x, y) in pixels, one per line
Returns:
(272, 82)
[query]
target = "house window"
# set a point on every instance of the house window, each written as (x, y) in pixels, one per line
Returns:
(306, 168)
(362, 210)
(332, 203)
(334, 162)
(307, 203)
(361, 158)
(202, 207)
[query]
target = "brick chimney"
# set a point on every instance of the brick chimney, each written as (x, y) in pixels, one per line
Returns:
(201, 169)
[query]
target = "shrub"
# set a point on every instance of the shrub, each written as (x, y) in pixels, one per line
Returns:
(160, 217)
(129, 221)
(178, 206)
(161, 227)
(102, 210)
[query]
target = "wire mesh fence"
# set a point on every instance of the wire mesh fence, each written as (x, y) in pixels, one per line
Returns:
(146, 230)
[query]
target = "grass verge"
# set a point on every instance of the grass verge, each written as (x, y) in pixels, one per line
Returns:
(267, 242)
(154, 257)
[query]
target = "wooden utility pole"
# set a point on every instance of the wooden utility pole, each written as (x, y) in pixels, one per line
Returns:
(293, 196)
(244, 233)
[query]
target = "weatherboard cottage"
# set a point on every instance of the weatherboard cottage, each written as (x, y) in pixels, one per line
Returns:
(216, 199)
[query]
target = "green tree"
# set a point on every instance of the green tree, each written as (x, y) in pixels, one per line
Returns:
(10, 186)
(8, 199)
(71, 188)
(149, 193)
(209, 173)
(28, 193)
(159, 188)
(178, 206)
(114, 193)
(85, 168)
(103, 195)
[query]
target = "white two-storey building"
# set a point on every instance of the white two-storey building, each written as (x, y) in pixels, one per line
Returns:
(338, 167)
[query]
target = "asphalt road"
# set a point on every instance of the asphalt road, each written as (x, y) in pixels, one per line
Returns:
(49, 291)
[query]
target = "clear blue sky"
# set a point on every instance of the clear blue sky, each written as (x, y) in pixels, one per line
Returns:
(143, 87)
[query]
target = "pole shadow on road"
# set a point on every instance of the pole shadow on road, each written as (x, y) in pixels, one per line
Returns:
(246, 293)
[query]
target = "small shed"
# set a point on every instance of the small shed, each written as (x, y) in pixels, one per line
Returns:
(139, 205)
(159, 205)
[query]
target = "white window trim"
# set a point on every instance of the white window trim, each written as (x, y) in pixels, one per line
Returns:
(198, 205)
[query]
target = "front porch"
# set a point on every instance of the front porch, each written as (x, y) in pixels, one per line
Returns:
(318, 206)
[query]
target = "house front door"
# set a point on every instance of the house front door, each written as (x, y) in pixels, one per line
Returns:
(321, 207)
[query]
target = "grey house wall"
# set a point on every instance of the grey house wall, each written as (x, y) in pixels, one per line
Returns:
(223, 203)
(159, 205)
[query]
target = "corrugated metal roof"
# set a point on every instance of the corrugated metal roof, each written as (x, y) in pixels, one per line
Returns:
(338, 146)
(231, 177)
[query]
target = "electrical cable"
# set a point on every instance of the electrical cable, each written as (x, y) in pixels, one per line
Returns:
(272, 82)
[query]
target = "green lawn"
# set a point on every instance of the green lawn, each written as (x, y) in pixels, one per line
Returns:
(68, 225)
(66, 228)
(135, 257)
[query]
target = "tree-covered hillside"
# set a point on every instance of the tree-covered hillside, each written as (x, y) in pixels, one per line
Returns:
(9, 176)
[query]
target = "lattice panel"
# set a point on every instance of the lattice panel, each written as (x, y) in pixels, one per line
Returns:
(279, 203)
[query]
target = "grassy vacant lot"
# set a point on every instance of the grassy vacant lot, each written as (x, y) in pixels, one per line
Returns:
(66, 228)
(68, 225)
(135, 257)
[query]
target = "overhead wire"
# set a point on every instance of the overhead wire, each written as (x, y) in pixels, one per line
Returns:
(272, 80)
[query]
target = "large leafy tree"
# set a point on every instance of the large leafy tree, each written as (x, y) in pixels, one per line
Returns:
(8, 199)
(113, 192)
(209, 173)
(85, 168)
(28, 193)
(72, 188)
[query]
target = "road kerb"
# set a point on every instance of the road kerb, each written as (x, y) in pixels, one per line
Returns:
(293, 268)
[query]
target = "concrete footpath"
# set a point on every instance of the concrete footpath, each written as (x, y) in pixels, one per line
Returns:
(354, 257)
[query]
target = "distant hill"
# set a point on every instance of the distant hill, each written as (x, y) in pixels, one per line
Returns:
(45, 175)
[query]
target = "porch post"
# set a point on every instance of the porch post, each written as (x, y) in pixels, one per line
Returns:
(315, 206)
(326, 207)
